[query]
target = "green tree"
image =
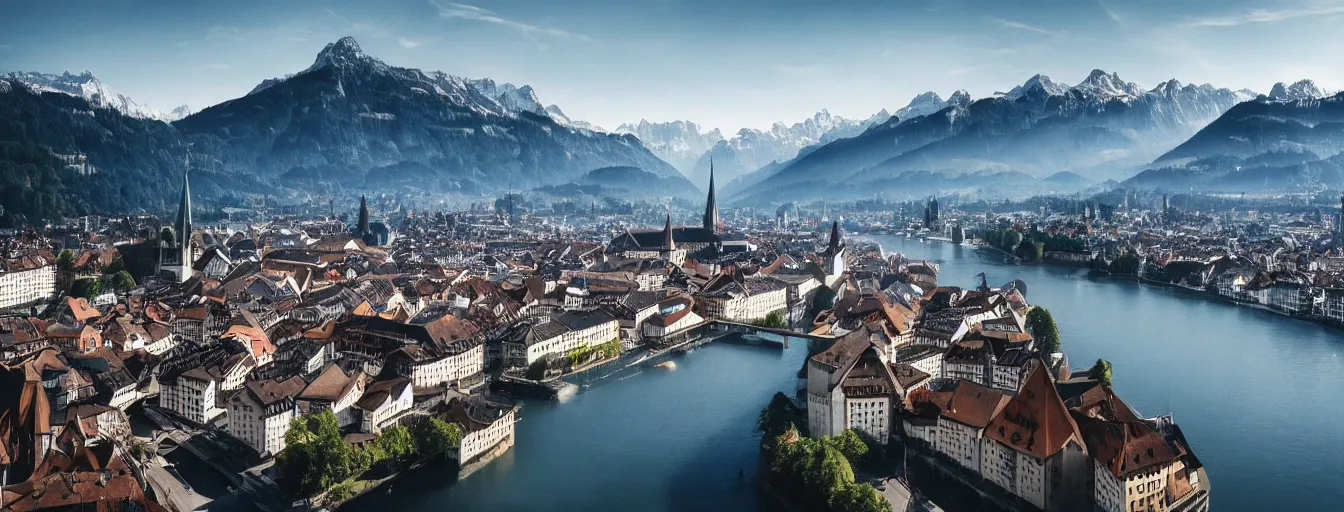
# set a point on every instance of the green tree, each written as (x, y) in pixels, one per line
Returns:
(396, 442)
(772, 320)
(65, 260)
(1043, 329)
(778, 417)
(316, 457)
(828, 474)
(1010, 240)
(850, 444)
(1101, 372)
(435, 436)
(123, 282)
(537, 370)
(1125, 264)
(859, 498)
(88, 287)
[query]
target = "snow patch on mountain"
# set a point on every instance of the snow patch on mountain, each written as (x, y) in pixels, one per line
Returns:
(89, 87)
(1300, 90)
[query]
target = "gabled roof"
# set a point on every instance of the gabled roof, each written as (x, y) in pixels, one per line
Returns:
(1035, 422)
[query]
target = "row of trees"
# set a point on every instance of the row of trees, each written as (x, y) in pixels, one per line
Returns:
(818, 474)
(316, 458)
(773, 320)
(582, 355)
(1126, 264)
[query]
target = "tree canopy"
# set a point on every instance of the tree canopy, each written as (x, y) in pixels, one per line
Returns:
(435, 436)
(1043, 329)
(1101, 371)
(817, 474)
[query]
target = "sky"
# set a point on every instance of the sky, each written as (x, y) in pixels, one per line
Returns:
(724, 64)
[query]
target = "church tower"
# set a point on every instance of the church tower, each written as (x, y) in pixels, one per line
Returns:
(175, 244)
(712, 221)
(362, 228)
(669, 252)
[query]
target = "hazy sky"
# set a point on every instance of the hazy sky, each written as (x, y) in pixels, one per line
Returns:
(720, 63)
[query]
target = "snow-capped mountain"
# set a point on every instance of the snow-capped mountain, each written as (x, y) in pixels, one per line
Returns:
(751, 149)
(1299, 118)
(1300, 90)
(518, 99)
(351, 118)
(680, 143)
(89, 87)
(1101, 128)
(560, 117)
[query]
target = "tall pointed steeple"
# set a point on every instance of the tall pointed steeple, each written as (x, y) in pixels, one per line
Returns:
(668, 243)
(712, 221)
(833, 247)
(183, 223)
(363, 227)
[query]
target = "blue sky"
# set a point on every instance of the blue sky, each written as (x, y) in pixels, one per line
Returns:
(721, 63)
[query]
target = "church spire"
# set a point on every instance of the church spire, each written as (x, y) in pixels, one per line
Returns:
(833, 247)
(183, 223)
(712, 221)
(668, 243)
(363, 226)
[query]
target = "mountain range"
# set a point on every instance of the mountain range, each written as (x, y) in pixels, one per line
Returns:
(1289, 140)
(70, 144)
(347, 122)
(690, 148)
(99, 94)
(1101, 128)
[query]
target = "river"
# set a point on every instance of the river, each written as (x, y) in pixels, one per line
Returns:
(1256, 394)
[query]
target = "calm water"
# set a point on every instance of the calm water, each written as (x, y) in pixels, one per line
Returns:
(1258, 395)
(642, 438)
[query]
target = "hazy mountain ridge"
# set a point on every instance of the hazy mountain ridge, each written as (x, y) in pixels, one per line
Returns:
(679, 143)
(98, 93)
(1097, 128)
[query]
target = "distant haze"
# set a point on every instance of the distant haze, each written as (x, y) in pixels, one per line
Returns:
(723, 64)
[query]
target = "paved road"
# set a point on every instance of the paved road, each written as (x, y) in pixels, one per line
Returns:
(170, 490)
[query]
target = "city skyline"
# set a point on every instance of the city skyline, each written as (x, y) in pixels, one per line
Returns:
(725, 66)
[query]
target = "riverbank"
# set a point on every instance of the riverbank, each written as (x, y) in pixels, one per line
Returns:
(1101, 274)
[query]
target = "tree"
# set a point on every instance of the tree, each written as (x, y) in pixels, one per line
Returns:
(396, 442)
(537, 370)
(849, 444)
(1026, 250)
(859, 498)
(773, 320)
(1043, 329)
(65, 260)
(778, 417)
(829, 473)
(88, 287)
(315, 456)
(1010, 240)
(435, 436)
(1101, 372)
(123, 282)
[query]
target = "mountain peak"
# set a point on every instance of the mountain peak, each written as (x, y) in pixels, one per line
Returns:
(1300, 90)
(1039, 84)
(960, 98)
(1105, 85)
(344, 51)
